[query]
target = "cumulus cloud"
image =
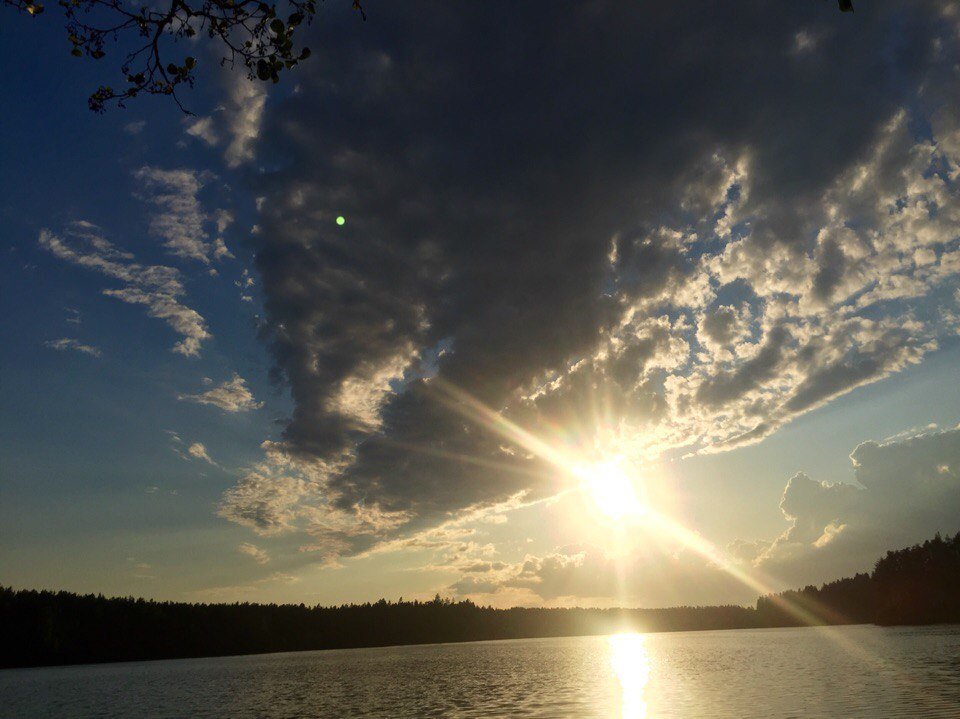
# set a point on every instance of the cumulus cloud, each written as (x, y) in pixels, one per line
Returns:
(67, 343)
(722, 330)
(779, 233)
(231, 396)
(157, 287)
(906, 490)
(179, 218)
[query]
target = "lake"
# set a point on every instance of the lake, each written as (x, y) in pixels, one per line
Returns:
(858, 671)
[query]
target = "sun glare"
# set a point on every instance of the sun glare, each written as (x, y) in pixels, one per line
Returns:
(631, 665)
(613, 491)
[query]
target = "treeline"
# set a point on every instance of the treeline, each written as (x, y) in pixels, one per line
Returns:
(917, 585)
(852, 600)
(44, 628)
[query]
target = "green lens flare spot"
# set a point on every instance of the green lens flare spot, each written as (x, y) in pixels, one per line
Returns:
(341, 220)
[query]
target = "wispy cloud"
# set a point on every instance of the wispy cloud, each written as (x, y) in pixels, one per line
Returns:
(74, 316)
(235, 125)
(231, 396)
(157, 287)
(179, 218)
(198, 451)
(189, 452)
(237, 591)
(247, 102)
(259, 555)
(203, 129)
(66, 343)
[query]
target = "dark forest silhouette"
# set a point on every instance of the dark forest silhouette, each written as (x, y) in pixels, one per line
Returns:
(916, 585)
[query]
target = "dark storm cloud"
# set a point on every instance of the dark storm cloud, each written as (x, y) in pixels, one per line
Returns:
(507, 173)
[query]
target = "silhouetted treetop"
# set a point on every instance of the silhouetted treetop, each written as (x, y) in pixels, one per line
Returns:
(40, 628)
(914, 585)
(258, 35)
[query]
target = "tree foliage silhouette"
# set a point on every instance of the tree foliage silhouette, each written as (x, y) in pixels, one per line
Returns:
(256, 34)
(42, 628)
(915, 585)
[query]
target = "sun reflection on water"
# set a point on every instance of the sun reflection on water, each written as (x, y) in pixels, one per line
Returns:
(631, 665)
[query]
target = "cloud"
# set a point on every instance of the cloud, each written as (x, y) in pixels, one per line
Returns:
(179, 218)
(140, 570)
(176, 443)
(231, 396)
(238, 592)
(236, 123)
(804, 42)
(224, 218)
(907, 489)
(203, 129)
(589, 574)
(723, 331)
(67, 343)
(266, 503)
(245, 112)
(74, 316)
(259, 555)
(778, 233)
(157, 287)
(282, 493)
(135, 128)
(282, 577)
(245, 283)
(198, 451)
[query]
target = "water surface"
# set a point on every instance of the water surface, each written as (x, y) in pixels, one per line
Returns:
(861, 671)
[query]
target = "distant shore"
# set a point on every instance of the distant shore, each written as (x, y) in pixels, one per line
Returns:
(916, 585)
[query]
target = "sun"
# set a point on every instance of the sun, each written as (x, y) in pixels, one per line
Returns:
(613, 491)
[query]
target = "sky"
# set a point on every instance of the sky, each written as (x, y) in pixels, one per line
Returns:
(631, 305)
